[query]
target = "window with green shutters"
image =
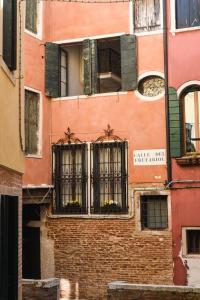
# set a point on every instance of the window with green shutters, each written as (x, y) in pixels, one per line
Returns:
(31, 122)
(31, 15)
(9, 33)
(175, 124)
(91, 67)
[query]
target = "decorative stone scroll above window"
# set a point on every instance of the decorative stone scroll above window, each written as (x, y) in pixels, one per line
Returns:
(68, 139)
(108, 136)
(151, 86)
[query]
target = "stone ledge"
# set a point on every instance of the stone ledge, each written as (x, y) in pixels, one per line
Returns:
(42, 283)
(122, 285)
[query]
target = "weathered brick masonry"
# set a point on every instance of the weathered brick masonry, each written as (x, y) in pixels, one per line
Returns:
(94, 252)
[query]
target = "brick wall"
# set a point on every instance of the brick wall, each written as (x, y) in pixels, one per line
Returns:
(41, 289)
(9, 178)
(125, 291)
(89, 253)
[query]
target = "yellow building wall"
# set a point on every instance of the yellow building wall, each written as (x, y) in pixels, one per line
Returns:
(11, 154)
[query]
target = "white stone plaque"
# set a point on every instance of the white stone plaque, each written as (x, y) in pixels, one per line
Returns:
(152, 157)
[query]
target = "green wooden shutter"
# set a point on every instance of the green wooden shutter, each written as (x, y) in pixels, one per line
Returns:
(52, 70)
(9, 33)
(87, 67)
(31, 15)
(128, 62)
(94, 66)
(174, 123)
(31, 122)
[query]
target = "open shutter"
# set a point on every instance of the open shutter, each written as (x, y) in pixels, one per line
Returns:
(52, 70)
(31, 15)
(9, 33)
(128, 62)
(94, 66)
(87, 67)
(174, 124)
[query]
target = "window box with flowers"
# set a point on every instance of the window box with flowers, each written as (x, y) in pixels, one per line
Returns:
(111, 207)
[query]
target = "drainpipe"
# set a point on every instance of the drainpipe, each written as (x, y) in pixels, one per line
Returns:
(165, 52)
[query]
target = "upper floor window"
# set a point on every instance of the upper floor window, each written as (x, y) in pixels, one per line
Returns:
(191, 117)
(32, 122)
(147, 16)
(91, 66)
(90, 176)
(31, 15)
(154, 212)
(187, 13)
(9, 33)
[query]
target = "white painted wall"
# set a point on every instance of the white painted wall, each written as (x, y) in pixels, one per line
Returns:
(193, 271)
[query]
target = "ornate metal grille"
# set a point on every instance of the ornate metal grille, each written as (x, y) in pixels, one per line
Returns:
(70, 178)
(109, 177)
(154, 213)
(193, 241)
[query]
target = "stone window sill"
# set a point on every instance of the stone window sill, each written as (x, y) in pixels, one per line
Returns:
(188, 161)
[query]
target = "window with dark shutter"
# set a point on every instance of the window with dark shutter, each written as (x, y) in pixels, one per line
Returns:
(9, 33)
(31, 15)
(154, 212)
(70, 178)
(52, 70)
(31, 122)
(175, 124)
(128, 62)
(187, 13)
(147, 15)
(109, 177)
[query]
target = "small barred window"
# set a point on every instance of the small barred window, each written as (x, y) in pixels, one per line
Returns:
(151, 86)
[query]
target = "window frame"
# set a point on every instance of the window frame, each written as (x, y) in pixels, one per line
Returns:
(129, 86)
(94, 204)
(145, 32)
(146, 75)
(145, 214)
(89, 191)
(175, 30)
(185, 242)
(137, 194)
(40, 122)
(39, 34)
(10, 70)
(184, 92)
(58, 207)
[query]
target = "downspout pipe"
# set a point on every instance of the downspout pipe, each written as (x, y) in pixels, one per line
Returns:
(166, 73)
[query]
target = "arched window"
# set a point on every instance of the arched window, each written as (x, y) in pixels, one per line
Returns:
(191, 118)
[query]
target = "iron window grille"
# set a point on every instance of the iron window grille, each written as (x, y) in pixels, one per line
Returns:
(109, 177)
(193, 241)
(70, 178)
(154, 212)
